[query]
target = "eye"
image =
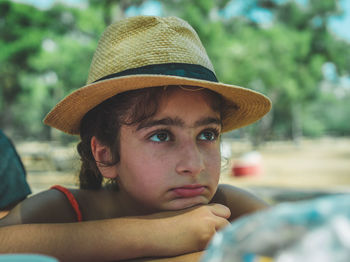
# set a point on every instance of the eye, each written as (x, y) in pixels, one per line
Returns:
(160, 136)
(209, 135)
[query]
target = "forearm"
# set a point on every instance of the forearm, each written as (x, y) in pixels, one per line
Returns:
(106, 240)
(239, 201)
(191, 257)
(166, 234)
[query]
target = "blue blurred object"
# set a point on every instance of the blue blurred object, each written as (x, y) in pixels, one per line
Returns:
(26, 258)
(312, 230)
(13, 184)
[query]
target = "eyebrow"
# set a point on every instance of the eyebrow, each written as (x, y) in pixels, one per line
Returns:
(169, 121)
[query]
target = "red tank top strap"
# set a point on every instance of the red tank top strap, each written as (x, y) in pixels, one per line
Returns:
(71, 199)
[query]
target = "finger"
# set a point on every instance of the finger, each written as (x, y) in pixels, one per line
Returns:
(220, 210)
(221, 223)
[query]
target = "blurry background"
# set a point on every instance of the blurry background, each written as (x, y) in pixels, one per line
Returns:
(297, 52)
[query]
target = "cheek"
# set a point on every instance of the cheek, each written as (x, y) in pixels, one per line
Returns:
(213, 162)
(143, 181)
(142, 167)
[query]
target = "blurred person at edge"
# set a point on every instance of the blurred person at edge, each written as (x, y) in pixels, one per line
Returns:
(13, 185)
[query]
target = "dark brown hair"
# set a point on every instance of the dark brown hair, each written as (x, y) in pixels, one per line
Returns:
(104, 122)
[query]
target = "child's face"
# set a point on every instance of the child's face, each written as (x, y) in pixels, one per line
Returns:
(172, 161)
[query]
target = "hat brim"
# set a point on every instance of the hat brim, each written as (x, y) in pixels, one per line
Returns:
(67, 114)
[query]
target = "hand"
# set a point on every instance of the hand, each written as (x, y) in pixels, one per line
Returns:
(188, 230)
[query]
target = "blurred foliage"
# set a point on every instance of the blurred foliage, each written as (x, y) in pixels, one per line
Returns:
(45, 54)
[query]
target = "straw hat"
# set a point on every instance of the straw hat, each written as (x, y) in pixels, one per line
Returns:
(148, 51)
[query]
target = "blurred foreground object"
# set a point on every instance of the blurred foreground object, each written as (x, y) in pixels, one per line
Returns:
(314, 230)
(26, 258)
(247, 165)
(13, 187)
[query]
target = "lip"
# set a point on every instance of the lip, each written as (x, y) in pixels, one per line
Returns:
(189, 190)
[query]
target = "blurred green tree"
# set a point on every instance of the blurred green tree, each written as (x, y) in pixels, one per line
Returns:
(282, 58)
(20, 38)
(311, 46)
(45, 54)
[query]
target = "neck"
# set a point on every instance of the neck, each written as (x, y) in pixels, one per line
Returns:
(127, 206)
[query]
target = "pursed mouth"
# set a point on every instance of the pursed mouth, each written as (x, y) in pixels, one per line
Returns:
(189, 190)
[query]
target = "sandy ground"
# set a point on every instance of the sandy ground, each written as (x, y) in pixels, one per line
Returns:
(319, 164)
(314, 166)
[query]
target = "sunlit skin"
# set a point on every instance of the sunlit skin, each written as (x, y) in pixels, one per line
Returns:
(172, 161)
(169, 163)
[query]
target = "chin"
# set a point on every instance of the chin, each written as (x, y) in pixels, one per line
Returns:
(183, 203)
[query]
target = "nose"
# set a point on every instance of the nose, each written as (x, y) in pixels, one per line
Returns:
(190, 160)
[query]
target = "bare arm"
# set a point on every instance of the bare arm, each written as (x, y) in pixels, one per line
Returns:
(88, 241)
(239, 201)
(191, 257)
(163, 234)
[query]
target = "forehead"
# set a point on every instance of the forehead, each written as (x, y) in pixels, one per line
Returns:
(148, 103)
(183, 108)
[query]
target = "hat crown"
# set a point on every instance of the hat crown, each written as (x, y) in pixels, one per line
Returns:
(146, 40)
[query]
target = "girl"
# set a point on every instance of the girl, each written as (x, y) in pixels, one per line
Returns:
(149, 119)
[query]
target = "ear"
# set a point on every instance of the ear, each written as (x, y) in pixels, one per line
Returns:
(102, 155)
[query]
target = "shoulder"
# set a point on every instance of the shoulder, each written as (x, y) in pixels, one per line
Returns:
(49, 206)
(239, 201)
(52, 206)
(97, 204)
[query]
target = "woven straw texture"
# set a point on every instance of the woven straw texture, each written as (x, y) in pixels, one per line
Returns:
(142, 41)
(146, 41)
